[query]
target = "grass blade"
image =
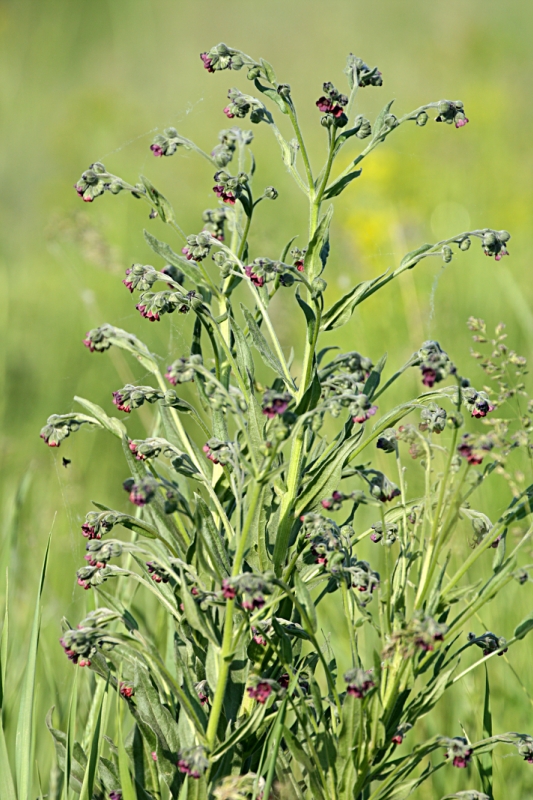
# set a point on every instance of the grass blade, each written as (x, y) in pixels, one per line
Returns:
(126, 783)
(484, 762)
(3, 647)
(95, 746)
(25, 738)
(7, 787)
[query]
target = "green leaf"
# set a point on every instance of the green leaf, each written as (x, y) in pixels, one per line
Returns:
(212, 538)
(25, 725)
(341, 311)
(340, 185)
(3, 647)
(525, 626)
(310, 316)
(126, 783)
(373, 380)
(269, 70)
(7, 787)
(164, 208)
(112, 424)
(170, 257)
(318, 248)
(94, 751)
(272, 95)
(195, 617)
(304, 597)
(71, 760)
(261, 344)
(302, 757)
(378, 124)
(484, 762)
(415, 255)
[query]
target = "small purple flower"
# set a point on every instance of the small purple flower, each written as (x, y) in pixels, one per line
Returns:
(261, 692)
(226, 195)
(274, 403)
(208, 65)
(258, 638)
(229, 592)
(120, 403)
(125, 690)
(193, 762)
(429, 377)
(150, 315)
(157, 150)
(257, 280)
(363, 416)
(359, 682)
(115, 795)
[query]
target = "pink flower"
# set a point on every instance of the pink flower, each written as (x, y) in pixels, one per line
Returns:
(157, 150)
(207, 62)
(364, 415)
(261, 692)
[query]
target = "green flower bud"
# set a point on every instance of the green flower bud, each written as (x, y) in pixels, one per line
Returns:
(465, 243)
(447, 254)
(364, 130)
(422, 118)
(271, 193)
(284, 90)
(254, 72)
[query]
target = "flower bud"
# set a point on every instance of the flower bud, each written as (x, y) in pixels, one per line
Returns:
(271, 193)
(422, 118)
(465, 243)
(284, 90)
(365, 129)
(447, 254)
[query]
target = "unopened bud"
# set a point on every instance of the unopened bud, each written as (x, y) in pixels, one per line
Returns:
(422, 118)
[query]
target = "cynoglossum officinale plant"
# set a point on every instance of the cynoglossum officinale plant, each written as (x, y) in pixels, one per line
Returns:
(250, 509)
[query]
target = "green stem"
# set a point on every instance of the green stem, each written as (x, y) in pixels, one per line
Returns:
(308, 171)
(227, 640)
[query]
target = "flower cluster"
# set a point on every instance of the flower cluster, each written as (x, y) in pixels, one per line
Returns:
(96, 180)
(192, 761)
(166, 143)
(99, 553)
(361, 409)
(222, 57)
(152, 305)
(99, 339)
(141, 277)
(474, 448)
(332, 104)
(249, 589)
(262, 690)
(359, 682)
(214, 219)
(451, 113)
(434, 363)
(218, 452)
(458, 750)
(229, 188)
(183, 369)
(198, 246)
(275, 403)
(390, 536)
(334, 503)
(223, 152)
(98, 523)
(489, 643)
(298, 257)
(81, 643)
(59, 427)
(131, 397)
(264, 269)
(240, 105)
(157, 572)
(324, 536)
(433, 418)
(142, 492)
(360, 74)
(421, 633)
(361, 577)
(478, 403)
(381, 488)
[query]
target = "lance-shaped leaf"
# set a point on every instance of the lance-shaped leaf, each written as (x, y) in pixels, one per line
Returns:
(272, 95)
(25, 724)
(261, 344)
(165, 210)
(167, 253)
(318, 248)
(112, 424)
(340, 184)
(341, 311)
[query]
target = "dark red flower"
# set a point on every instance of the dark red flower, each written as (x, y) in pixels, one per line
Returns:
(261, 692)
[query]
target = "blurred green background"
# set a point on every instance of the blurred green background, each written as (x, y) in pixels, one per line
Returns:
(94, 81)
